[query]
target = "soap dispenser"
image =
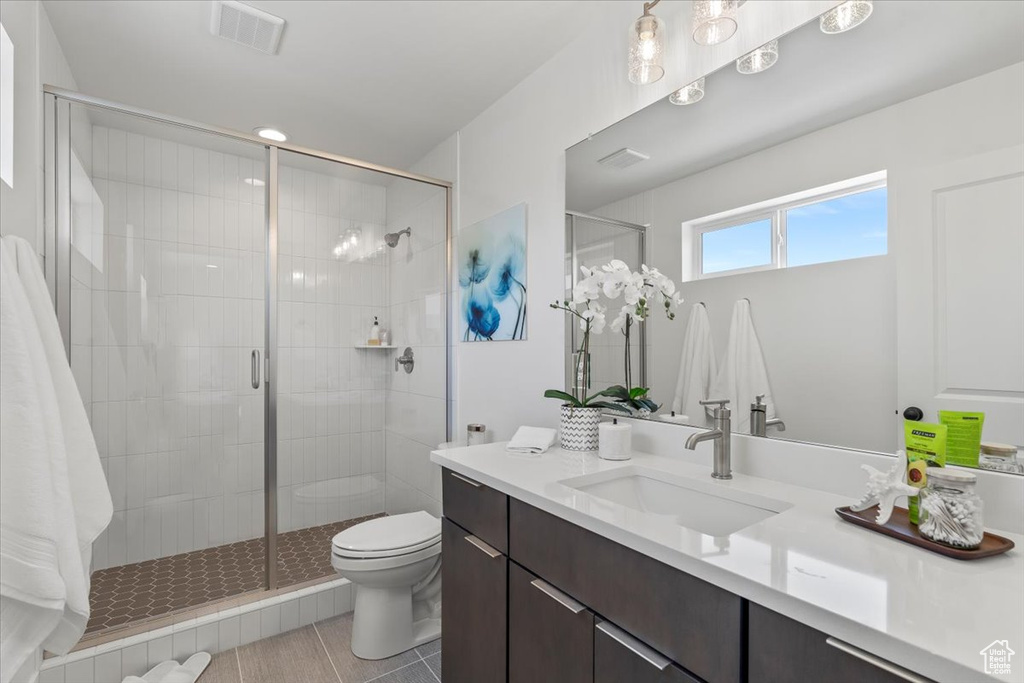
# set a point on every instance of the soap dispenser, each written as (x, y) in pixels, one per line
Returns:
(373, 339)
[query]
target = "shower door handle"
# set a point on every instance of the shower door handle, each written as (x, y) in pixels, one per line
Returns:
(255, 369)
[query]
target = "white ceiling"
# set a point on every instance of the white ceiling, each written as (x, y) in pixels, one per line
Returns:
(379, 81)
(905, 49)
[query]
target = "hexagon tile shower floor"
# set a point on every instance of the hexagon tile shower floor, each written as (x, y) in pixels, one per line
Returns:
(124, 595)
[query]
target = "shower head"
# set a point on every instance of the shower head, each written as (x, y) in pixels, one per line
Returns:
(391, 239)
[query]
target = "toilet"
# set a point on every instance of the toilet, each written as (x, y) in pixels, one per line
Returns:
(394, 564)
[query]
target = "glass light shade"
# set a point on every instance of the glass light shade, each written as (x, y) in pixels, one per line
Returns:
(714, 21)
(760, 59)
(646, 50)
(689, 94)
(846, 16)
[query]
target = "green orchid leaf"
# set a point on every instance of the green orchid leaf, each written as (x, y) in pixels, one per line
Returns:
(637, 392)
(610, 406)
(648, 403)
(616, 391)
(563, 396)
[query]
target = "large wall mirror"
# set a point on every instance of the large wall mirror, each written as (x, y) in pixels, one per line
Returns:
(846, 230)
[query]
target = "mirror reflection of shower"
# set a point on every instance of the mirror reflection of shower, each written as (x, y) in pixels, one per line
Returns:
(391, 239)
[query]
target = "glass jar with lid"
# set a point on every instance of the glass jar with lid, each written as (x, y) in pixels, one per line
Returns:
(999, 457)
(951, 510)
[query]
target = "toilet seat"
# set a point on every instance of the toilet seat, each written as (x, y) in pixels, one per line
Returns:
(391, 536)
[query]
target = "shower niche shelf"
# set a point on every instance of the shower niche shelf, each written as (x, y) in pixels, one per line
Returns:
(378, 347)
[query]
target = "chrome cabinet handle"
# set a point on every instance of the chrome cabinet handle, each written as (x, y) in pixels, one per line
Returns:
(875, 661)
(652, 657)
(474, 484)
(558, 596)
(255, 369)
(488, 550)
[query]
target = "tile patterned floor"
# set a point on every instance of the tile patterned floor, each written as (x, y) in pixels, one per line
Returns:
(130, 593)
(320, 653)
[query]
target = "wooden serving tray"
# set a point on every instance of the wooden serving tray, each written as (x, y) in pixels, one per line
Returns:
(899, 527)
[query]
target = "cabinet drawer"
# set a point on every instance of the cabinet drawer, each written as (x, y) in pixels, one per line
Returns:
(477, 508)
(474, 608)
(692, 622)
(550, 635)
(620, 657)
(782, 650)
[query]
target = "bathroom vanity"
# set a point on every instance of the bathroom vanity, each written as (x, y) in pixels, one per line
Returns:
(567, 568)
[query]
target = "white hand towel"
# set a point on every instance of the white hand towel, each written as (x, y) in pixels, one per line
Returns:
(38, 543)
(90, 501)
(531, 440)
(743, 374)
(697, 366)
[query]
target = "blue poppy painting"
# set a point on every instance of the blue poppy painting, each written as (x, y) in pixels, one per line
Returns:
(492, 277)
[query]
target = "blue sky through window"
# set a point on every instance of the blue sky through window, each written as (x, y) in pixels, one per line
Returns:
(740, 246)
(843, 228)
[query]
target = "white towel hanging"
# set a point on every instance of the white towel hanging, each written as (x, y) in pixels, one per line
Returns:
(697, 366)
(743, 374)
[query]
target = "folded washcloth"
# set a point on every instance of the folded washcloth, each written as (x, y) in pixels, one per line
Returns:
(531, 440)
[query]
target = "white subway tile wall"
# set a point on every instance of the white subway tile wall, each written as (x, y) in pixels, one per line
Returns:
(415, 404)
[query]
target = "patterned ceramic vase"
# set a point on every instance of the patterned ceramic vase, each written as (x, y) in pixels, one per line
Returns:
(579, 428)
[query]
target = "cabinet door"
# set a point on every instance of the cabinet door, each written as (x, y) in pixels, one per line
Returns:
(619, 657)
(474, 608)
(550, 635)
(785, 651)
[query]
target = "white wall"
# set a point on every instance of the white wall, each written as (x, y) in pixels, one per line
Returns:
(514, 152)
(828, 331)
(38, 59)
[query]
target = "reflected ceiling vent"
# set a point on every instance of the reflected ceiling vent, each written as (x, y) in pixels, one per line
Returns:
(246, 26)
(624, 158)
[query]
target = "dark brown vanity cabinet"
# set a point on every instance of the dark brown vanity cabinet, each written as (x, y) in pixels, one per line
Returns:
(531, 598)
(550, 635)
(781, 649)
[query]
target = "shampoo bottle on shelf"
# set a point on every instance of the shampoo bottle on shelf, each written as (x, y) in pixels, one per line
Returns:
(373, 339)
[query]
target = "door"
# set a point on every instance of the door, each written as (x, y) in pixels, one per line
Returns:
(960, 289)
(473, 636)
(550, 635)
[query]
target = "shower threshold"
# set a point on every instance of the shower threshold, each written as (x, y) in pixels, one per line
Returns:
(125, 596)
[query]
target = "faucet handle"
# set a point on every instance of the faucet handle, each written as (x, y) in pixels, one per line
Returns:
(721, 403)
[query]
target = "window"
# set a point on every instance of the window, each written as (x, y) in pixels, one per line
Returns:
(841, 221)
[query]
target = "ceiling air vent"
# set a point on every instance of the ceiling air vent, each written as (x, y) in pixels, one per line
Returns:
(624, 158)
(245, 25)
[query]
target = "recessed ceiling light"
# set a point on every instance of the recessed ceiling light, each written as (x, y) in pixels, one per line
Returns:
(270, 134)
(255, 182)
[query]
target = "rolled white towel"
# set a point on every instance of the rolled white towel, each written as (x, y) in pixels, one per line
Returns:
(533, 440)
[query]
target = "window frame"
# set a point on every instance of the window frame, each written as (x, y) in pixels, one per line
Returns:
(776, 210)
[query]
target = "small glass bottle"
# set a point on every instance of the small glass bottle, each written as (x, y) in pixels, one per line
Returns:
(476, 434)
(951, 511)
(999, 457)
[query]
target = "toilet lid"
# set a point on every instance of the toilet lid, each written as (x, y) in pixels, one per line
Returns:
(394, 534)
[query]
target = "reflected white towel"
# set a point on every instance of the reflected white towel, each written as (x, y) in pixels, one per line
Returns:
(37, 540)
(697, 366)
(531, 440)
(743, 374)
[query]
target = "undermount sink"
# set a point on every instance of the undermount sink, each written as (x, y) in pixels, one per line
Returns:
(702, 506)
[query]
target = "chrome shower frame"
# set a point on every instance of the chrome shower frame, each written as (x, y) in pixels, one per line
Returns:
(57, 257)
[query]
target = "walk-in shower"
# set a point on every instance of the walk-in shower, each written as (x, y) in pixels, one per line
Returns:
(215, 292)
(391, 239)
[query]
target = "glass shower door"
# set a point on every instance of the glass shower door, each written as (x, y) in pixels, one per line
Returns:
(163, 281)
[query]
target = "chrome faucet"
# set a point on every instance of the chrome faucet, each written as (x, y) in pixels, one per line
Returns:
(722, 436)
(758, 424)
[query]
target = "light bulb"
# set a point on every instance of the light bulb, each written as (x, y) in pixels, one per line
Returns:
(690, 94)
(759, 60)
(646, 49)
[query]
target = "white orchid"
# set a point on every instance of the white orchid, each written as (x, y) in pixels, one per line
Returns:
(594, 317)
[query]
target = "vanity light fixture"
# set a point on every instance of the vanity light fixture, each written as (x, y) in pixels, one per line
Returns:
(646, 47)
(759, 60)
(272, 134)
(846, 16)
(690, 94)
(714, 21)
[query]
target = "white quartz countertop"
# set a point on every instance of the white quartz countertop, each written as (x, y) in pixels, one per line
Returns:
(931, 614)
